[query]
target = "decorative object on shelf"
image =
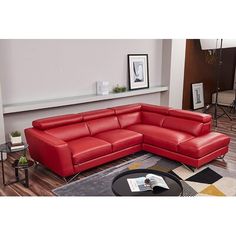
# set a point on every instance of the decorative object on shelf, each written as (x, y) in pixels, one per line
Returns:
(102, 87)
(119, 89)
(138, 71)
(23, 160)
(15, 137)
(198, 98)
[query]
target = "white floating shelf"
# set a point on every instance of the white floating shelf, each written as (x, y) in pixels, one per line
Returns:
(43, 104)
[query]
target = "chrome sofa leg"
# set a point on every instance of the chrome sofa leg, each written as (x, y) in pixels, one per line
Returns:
(70, 179)
(64, 178)
(189, 167)
(221, 157)
(36, 164)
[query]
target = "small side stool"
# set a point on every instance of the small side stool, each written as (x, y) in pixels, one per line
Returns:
(25, 168)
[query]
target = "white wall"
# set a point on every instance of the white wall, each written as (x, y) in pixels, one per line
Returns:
(2, 131)
(177, 73)
(43, 69)
(166, 67)
(173, 62)
(2, 128)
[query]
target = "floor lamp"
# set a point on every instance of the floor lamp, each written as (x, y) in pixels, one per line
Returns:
(218, 76)
(233, 104)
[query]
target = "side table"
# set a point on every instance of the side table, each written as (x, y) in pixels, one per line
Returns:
(25, 167)
(4, 148)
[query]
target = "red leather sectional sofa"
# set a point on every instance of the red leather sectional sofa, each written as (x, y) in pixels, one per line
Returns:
(73, 143)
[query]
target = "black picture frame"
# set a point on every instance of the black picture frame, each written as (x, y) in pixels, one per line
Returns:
(138, 71)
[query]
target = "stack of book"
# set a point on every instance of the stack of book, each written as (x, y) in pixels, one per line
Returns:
(14, 147)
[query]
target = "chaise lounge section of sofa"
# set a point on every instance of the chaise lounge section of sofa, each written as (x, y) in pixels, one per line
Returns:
(73, 143)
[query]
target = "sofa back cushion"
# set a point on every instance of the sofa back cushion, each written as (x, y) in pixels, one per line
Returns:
(184, 125)
(156, 109)
(126, 108)
(103, 124)
(201, 117)
(129, 119)
(70, 132)
(56, 121)
(152, 118)
(91, 115)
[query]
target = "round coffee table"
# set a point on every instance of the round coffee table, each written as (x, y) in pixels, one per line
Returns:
(120, 186)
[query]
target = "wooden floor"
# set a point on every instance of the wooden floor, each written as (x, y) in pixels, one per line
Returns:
(42, 181)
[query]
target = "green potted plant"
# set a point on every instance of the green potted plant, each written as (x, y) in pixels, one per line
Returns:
(23, 160)
(15, 137)
(119, 89)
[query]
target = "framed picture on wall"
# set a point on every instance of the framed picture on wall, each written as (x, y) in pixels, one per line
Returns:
(138, 71)
(197, 93)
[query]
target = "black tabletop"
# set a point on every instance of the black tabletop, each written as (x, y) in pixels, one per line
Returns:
(25, 166)
(120, 186)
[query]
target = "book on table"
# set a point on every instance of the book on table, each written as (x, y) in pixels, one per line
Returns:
(17, 146)
(150, 182)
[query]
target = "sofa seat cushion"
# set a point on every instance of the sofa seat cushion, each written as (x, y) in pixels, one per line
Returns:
(161, 137)
(88, 148)
(121, 138)
(203, 145)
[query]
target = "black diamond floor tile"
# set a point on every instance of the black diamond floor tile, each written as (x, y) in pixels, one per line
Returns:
(206, 176)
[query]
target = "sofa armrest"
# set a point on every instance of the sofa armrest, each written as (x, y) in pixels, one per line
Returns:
(50, 151)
